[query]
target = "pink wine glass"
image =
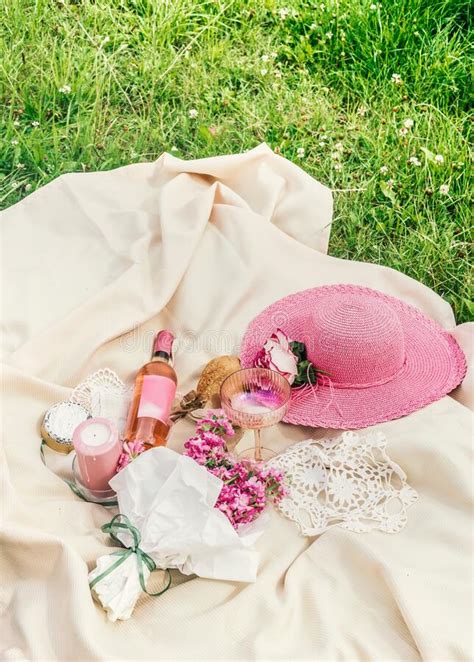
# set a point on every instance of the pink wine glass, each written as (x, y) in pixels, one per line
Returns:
(255, 398)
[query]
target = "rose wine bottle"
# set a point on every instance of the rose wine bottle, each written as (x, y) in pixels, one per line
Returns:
(155, 388)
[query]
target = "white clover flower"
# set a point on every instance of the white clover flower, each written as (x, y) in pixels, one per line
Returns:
(15, 184)
(174, 149)
(403, 131)
(439, 158)
(277, 73)
(193, 113)
(274, 55)
(35, 123)
(14, 141)
(313, 26)
(362, 111)
(397, 79)
(16, 123)
(329, 35)
(390, 183)
(337, 166)
(322, 6)
(444, 189)
(264, 71)
(284, 11)
(322, 143)
(373, 7)
(265, 58)
(336, 156)
(65, 89)
(414, 161)
(408, 123)
(339, 147)
(20, 166)
(28, 187)
(300, 152)
(383, 170)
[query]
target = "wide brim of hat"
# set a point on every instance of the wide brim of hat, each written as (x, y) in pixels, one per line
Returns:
(434, 365)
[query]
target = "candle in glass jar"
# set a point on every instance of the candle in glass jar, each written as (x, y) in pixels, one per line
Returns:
(97, 447)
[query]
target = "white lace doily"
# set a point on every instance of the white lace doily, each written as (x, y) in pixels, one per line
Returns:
(105, 395)
(347, 481)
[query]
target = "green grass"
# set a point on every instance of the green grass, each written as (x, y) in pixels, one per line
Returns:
(316, 77)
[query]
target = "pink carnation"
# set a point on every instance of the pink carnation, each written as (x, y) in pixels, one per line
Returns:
(248, 487)
(130, 451)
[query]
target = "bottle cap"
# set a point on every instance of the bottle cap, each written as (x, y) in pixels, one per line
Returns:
(164, 342)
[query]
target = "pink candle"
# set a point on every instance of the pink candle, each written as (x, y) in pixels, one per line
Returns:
(97, 448)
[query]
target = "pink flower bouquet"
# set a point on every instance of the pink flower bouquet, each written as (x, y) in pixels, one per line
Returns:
(248, 487)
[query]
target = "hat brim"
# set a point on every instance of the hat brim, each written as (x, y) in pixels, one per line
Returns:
(434, 365)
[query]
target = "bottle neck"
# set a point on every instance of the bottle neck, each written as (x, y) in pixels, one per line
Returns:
(162, 357)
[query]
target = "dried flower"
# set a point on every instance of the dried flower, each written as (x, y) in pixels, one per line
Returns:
(193, 113)
(362, 111)
(444, 189)
(390, 183)
(403, 131)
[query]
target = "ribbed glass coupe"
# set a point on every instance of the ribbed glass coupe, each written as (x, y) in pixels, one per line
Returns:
(255, 398)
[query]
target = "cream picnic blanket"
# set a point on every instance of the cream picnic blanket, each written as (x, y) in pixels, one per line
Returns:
(93, 265)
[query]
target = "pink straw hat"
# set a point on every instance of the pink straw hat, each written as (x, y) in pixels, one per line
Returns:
(385, 358)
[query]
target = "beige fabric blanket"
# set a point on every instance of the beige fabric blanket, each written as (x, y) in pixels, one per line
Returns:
(93, 265)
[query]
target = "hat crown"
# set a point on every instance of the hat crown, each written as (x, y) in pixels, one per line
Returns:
(357, 339)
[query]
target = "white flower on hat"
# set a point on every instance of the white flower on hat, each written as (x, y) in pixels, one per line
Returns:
(277, 355)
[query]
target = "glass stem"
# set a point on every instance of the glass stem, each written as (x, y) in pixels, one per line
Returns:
(258, 445)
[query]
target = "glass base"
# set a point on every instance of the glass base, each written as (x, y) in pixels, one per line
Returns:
(251, 454)
(104, 497)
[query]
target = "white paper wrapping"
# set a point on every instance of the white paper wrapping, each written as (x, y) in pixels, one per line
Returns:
(170, 499)
(119, 591)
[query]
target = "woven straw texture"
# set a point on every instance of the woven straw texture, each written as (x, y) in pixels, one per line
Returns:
(385, 358)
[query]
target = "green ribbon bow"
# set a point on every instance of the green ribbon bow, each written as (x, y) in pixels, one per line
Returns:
(113, 527)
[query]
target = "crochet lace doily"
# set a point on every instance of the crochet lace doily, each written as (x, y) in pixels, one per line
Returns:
(346, 481)
(104, 394)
